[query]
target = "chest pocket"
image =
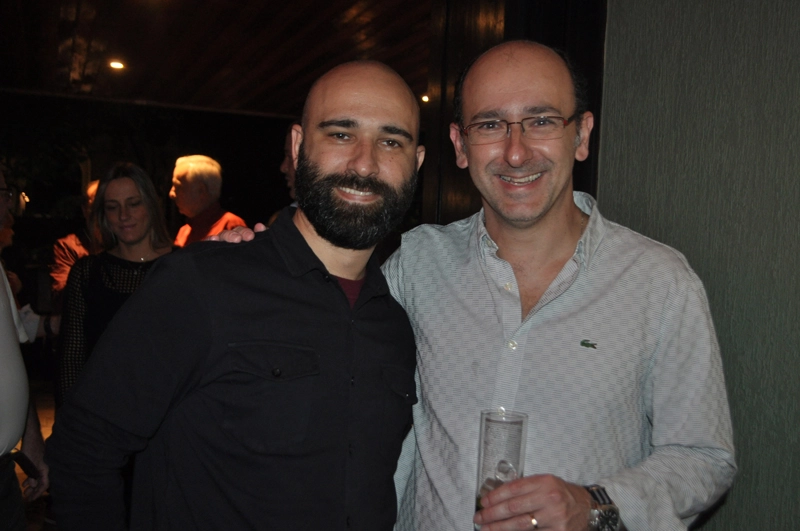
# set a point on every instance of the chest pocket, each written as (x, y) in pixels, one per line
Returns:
(272, 392)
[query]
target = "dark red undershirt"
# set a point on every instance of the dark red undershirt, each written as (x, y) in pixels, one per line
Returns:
(351, 288)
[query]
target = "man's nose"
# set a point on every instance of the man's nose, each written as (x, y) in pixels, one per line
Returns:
(517, 149)
(172, 193)
(364, 160)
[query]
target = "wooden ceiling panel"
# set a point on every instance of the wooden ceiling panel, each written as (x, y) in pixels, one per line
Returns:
(249, 55)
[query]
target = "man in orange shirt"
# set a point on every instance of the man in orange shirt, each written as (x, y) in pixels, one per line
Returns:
(196, 185)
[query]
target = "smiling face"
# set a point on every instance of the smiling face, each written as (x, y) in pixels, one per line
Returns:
(520, 180)
(126, 212)
(360, 154)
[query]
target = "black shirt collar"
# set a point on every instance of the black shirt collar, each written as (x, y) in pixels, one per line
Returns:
(300, 259)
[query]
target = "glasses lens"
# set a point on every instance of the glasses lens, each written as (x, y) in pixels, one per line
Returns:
(543, 127)
(487, 132)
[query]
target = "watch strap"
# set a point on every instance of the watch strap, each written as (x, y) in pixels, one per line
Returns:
(599, 494)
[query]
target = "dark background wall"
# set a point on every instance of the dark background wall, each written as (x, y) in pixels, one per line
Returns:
(699, 150)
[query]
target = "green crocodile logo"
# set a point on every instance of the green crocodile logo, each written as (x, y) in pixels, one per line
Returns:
(588, 344)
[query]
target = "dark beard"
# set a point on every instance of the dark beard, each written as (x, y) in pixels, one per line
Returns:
(348, 225)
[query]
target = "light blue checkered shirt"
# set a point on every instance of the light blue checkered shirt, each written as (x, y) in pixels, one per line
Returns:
(617, 366)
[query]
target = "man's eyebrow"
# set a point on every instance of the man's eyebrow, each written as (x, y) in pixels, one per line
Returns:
(495, 114)
(394, 130)
(540, 110)
(348, 123)
(345, 123)
(487, 115)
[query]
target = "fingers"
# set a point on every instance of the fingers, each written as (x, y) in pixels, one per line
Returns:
(244, 233)
(509, 507)
(517, 523)
(554, 503)
(260, 227)
(33, 489)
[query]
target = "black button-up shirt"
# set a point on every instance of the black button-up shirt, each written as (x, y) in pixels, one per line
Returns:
(257, 398)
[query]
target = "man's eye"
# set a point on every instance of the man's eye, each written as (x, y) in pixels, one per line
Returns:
(340, 136)
(542, 121)
(392, 143)
(489, 126)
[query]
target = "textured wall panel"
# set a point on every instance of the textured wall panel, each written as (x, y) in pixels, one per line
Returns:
(701, 150)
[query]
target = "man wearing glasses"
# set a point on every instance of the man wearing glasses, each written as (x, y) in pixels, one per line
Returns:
(539, 304)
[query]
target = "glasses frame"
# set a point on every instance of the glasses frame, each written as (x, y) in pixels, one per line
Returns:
(564, 121)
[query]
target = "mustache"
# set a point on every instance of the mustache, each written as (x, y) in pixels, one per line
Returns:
(357, 182)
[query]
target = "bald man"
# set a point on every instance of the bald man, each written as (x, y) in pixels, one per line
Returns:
(267, 385)
(540, 305)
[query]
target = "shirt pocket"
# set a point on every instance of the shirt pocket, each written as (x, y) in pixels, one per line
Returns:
(400, 395)
(273, 395)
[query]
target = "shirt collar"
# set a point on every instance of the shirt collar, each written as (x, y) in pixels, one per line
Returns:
(587, 244)
(300, 259)
(595, 228)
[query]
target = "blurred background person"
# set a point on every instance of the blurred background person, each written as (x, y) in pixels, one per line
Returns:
(196, 187)
(128, 218)
(17, 414)
(287, 169)
(71, 248)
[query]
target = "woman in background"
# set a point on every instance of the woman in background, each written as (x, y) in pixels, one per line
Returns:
(129, 221)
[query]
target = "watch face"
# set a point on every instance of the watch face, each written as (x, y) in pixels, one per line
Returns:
(607, 520)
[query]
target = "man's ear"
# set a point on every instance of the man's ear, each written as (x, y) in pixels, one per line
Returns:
(297, 141)
(458, 143)
(420, 156)
(584, 132)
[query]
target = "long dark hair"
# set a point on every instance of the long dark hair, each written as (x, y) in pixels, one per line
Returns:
(107, 240)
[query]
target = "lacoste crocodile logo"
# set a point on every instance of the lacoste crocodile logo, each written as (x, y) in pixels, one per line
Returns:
(588, 344)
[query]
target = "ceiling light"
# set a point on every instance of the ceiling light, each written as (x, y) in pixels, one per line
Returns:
(425, 99)
(116, 65)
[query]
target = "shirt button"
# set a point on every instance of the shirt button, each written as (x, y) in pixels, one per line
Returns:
(507, 286)
(348, 521)
(276, 372)
(512, 345)
(352, 381)
(350, 449)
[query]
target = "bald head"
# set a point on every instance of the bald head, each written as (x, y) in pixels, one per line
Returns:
(364, 83)
(528, 58)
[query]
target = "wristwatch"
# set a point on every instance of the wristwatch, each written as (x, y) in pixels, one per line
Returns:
(604, 515)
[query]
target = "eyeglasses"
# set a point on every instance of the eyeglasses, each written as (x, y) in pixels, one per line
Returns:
(533, 128)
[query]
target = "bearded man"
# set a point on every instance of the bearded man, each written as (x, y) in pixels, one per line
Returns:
(266, 385)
